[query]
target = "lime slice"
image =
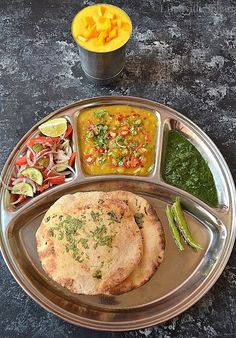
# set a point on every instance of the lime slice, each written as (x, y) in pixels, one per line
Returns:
(54, 128)
(23, 188)
(34, 174)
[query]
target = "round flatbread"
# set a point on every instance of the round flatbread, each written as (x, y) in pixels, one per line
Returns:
(89, 243)
(153, 241)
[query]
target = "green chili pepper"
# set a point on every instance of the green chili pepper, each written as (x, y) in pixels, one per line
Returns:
(174, 230)
(182, 224)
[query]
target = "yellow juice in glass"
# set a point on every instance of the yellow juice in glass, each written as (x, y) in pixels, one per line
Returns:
(101, 32)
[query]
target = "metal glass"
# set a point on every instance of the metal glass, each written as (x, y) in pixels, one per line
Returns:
(181, 280)
(102, 68)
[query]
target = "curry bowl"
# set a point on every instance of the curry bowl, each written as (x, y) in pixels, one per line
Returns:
(161, 298)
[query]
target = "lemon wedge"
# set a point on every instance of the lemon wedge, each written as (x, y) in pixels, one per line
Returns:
(54, 128)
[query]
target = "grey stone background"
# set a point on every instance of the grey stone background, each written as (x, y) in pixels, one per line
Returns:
(182, 54)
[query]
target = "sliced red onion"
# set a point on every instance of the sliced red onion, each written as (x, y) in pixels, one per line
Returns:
(28, 180)
(17, 201)
(42, 154)
(18, 180)
(63, 160)
(49, 178)
(51, 163)
(64, 172)
(29, 162)
(55, 147)
(5, 185)
(62, 137)
(17, 167)
(71, 169)
(61, 157)
(47, 144)
(65, 144)
(31, 149)
(69, 152)
(22, 167)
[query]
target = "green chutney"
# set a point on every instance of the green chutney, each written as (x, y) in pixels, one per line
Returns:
(185, 168)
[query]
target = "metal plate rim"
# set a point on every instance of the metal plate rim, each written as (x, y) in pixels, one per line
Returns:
(200, 293)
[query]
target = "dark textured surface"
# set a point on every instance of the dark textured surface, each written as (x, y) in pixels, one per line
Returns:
(182, 54)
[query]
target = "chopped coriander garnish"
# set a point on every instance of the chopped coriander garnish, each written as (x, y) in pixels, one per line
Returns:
(84, 243)
(133, 131)
(113, 217)
(51, 232)
(100, 113)
(89, 134)
(100, 237)
(66, 230)
(96, 216)
(137, 122)
(97, 274)
(138, 216)
(121, 161)
(121, 141)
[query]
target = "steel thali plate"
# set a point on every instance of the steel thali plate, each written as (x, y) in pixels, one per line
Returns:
(181, 280)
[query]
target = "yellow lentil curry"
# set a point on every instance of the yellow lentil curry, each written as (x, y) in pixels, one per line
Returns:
(117, 139)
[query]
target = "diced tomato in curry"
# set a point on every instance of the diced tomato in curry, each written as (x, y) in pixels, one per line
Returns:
(117, 140)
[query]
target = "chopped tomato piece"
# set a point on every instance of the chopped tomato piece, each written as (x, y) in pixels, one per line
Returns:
(120, 117)
(43, 140)
(44, 173)
(131, 162)
(42, 188)
(47, 173)
(89, 158)
(124, 131)
(56, 179)
(68, 131)
(127, 163)
(134, 162)
(20, 199)
(21, 160)
(99, 150)
(72, 159)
